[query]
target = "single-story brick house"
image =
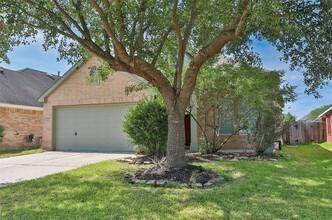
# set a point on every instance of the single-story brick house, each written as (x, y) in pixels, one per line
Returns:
(327, 123)
(20, 112)
(80, 116)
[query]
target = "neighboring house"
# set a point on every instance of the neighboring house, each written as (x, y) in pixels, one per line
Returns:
(89, 117)
(20, 112)
(327, 123)
(306, 118)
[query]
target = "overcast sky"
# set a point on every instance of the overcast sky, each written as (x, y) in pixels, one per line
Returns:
(34, 56)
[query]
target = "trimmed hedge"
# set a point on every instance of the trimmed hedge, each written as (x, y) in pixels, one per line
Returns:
(146, 126)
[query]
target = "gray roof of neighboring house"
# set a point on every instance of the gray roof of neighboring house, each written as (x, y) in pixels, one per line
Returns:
(305, 118)
(24, 87)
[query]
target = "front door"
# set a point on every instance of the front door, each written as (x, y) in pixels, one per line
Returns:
(187, 131)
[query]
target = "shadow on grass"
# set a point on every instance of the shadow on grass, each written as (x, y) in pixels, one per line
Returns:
(286, 189)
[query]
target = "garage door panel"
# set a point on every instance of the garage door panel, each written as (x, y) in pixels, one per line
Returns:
(98, 128)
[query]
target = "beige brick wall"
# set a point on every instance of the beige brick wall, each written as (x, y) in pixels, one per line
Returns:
(75, 91)
(235, 142)
(19, 123)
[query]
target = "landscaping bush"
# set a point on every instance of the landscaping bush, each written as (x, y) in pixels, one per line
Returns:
(2, 132)
(146, 126)
(267, 129)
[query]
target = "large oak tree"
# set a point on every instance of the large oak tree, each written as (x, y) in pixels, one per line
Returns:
(150, 38)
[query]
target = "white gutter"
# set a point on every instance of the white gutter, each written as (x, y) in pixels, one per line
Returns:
(323, 114)
(26, 107)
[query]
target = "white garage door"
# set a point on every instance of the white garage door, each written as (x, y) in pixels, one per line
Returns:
(91, 128)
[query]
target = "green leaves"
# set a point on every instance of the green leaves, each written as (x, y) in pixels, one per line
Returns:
(302, 30)
(252, 85)
(99, 73)
(2, 132)
(242, 99)
(146, 126)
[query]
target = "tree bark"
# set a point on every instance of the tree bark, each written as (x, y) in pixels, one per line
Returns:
(175, 157)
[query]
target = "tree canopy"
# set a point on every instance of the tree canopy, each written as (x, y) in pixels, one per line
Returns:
(128, 33)
(152, 39)
(233, 96)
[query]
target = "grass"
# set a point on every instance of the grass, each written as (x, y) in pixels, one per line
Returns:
(326, 145)
(299, 187)
(14, 153)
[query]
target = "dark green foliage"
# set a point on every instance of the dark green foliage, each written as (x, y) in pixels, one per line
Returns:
(301, 30)
(2, 132)
(316, 112)
(267, 129)
(241, 93)
(146, 126)
(289, 118)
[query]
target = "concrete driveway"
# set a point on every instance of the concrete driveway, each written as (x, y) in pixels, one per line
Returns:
(27, 167)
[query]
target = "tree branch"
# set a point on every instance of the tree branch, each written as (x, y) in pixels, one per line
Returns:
(87, 44)
(120, 16)
(181, 50)
(83, 23)
(120, 49)
(160, 47)
(231, 32)
(140, 29)
(63, 12)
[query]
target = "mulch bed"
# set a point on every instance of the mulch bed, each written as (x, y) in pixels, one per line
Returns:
(198, 157)
(191, 175)
(180, 175)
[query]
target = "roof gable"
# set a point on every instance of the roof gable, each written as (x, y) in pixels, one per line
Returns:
(72, 71)
(60, 81)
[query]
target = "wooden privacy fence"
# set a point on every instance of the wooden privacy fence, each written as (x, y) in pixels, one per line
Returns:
(305, 132)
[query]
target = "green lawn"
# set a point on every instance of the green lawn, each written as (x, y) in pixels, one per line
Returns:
(327, 146)
(14, 153)
(295, 188)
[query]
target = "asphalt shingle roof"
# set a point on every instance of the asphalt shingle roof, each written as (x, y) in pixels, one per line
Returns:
(24, 87)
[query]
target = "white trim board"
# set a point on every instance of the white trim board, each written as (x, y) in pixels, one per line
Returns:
(26, 107)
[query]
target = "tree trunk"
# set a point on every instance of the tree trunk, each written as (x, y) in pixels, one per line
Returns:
(176, 139)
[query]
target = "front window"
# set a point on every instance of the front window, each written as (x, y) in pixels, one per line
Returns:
(226, 126)
(235, 120)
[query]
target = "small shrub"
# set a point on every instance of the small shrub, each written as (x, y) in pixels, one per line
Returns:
(146, 126)
(265, 132)
(2, 132)
(140, 149)
(206, 146)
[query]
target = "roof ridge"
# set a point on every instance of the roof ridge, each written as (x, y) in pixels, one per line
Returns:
(21, 70)
(35, 70)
